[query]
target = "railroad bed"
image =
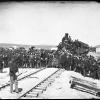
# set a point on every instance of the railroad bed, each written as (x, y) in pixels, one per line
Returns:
(31, 82)
(42, 86)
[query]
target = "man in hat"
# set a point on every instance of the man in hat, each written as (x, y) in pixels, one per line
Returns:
(13, 77)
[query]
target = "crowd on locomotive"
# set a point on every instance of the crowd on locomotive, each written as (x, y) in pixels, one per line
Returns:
(73, 55)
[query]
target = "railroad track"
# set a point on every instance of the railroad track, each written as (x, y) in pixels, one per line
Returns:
(35, 91)
(8, 84)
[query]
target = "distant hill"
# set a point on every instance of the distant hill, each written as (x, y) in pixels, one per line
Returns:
(45, 46)
(8, 45)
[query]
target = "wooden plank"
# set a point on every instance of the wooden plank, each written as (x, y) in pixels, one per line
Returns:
(93, 83)
(85, 90)
(84, 83)
(86, 86)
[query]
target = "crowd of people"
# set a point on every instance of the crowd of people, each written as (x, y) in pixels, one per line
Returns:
(31, 58)
(73, 56)
(86, 65)
(70, 55)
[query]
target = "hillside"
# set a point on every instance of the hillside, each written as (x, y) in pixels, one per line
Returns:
(7, 45)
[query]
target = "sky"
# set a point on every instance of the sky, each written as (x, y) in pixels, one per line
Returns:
(36, 23)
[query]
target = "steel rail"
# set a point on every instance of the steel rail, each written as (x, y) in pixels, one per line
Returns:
(38, 84)
(8, 84)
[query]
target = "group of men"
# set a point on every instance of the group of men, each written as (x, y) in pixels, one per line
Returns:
(36, 58)
(15, 59)
(86, 65)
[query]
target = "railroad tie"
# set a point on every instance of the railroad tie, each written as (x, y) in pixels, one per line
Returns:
(44, 85)
(35, 90)
(31, 95)
(34, 93)
(46, 82)
(44, 88)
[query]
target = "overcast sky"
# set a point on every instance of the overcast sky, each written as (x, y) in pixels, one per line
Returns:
(46, 23)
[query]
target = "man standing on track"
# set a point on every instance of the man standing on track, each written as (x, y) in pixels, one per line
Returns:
(13, 77)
